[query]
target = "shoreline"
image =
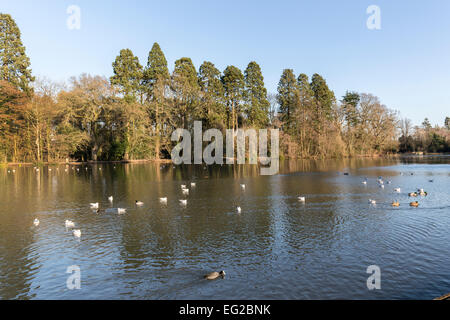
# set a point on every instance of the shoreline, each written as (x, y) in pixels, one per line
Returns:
(79, 163)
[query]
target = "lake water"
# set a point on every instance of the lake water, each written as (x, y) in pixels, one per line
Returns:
(276, 248)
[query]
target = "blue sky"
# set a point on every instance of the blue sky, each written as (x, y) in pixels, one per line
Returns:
(406, 63)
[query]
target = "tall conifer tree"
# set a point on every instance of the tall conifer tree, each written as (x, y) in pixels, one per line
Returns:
(127, 74)
(15, 64)
(255, 95)
(212, 94)
(233, 83)
(287, 98)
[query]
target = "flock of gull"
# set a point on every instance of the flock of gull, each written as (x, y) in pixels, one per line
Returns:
(96, 207)
(70, 225)
(185, 191)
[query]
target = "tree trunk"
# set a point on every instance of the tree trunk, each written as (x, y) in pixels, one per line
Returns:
(157, 132)
(94, 152)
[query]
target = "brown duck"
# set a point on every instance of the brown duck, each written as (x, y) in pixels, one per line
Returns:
(214, 275)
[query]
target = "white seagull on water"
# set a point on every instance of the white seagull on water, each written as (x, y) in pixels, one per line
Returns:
(163, 200)
(69, 224)
(77, 233)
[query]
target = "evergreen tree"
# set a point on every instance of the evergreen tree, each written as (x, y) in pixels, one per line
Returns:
(212, 92)
(156, 79)
(127, 74)
(233, 83)
(186, 90)
(305, 92)
(255, 95)
(287, 98)
(303, 114)
(350, 104)
(350, 113)
(156, 68)
(447, 123)
(15, 64)
(426, 124)
(323, 96)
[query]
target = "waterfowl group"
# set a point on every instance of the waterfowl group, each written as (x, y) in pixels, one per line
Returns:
(419, 192)
(396, 203)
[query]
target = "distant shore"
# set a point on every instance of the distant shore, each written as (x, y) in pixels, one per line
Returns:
(75, 163)
(71, 162)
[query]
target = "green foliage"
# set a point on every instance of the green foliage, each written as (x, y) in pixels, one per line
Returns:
(350, 104)
(255, 96)
(426, 124)
(438, 143)
(233, 83)
(185, 89)
(156, 69)
(127, 74)
(287, 97)
(15, 64)
(213, 110)
(324, 97)
(305, 91)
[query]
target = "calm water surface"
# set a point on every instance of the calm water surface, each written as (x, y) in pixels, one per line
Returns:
(277, 248)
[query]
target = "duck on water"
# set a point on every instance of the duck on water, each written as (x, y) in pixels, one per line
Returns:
(214, 275)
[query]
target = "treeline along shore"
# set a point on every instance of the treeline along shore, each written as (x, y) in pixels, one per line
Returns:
(131, 115)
